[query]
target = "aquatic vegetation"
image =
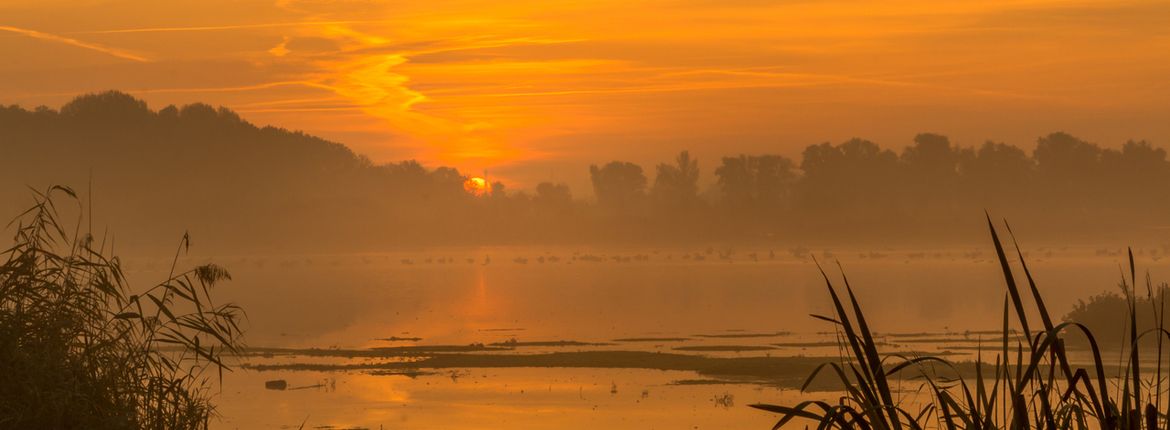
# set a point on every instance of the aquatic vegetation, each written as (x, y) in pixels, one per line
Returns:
(724, 348)
(1031, 382)
(80, 349)
(513, 343)
(737, 335)
(784, 372)
(1100, 312)
(652, 339)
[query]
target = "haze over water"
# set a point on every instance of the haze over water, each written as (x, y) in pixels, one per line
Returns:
(353, 301)
(570, 215)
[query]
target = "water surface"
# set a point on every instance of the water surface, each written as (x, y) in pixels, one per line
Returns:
(663, 300)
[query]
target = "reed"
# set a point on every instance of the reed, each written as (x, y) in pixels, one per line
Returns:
(79, 349)
(1031, 382)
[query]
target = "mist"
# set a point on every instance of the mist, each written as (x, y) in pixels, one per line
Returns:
(567, 215)
(152, 175)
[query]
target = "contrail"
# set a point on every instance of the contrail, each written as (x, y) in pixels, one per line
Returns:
(74, 42)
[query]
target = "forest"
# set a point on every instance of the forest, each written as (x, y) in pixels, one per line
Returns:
(240, 187)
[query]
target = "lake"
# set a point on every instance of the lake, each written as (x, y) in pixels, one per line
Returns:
(713, 303)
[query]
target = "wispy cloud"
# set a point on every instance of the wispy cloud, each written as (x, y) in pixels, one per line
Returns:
(234, 89)
(478, 84)
(230, 27)
(123, 54)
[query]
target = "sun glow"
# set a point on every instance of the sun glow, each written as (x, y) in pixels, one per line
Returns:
(476, 186)
(530, 88)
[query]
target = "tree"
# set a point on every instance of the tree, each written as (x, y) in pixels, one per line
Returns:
(1068, 171)
(619, 186)
(1061, 156)
(554, 197)
(931, 159)
(736, 182)
(774, 176)
(756, 183)
(931, 173)
(102, 108)
(1136, 173)
(853, 178)
(997, 175)
(676, 186)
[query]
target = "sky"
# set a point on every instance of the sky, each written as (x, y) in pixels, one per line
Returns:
(536, 91)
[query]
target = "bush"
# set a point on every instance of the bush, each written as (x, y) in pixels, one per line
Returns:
(80, 350)
(1107, 313)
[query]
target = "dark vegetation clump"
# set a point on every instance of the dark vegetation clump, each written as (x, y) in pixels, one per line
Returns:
(80, 350)
(1105, 313)
(1024, 379)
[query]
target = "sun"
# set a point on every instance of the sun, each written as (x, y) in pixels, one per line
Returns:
(476, 186)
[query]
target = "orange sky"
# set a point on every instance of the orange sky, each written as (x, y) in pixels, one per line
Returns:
(538, 90)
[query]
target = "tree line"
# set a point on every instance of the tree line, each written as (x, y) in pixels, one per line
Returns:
(240, 186)
(930, 185)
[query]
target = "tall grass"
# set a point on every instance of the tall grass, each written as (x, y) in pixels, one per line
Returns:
(1030, 383)
(80, 350)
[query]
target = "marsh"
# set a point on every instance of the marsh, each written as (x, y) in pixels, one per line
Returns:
(427, 345)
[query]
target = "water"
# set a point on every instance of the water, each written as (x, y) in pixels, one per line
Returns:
(350, 301)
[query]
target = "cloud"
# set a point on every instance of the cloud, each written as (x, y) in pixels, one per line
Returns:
(480, 83)
(230, 27)
(312, 45)
(233, 89)
(126, 55)
(281, 49)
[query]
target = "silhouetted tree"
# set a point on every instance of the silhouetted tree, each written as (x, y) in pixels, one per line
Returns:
(931, 174)
(1067, 171)
(1060, 155)
(995, 177)
(736, 182)
(619, 186)
(676, 186)
(554, 197)
(107, 107)
(499, 190)
(758, 185)
(1138, 172)
(774, 177)
(856, 179)
(279, 188)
